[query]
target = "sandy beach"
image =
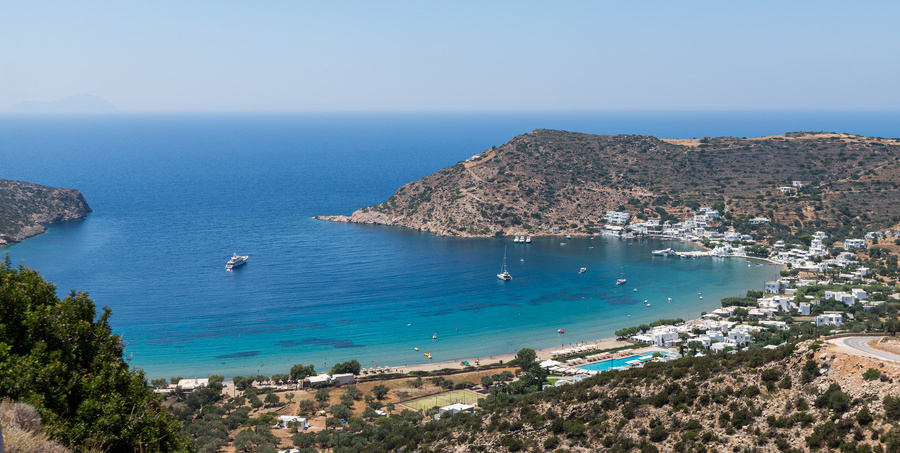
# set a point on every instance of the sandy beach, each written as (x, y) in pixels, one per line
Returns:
(542, 354)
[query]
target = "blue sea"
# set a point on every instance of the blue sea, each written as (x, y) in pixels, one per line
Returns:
(175, 195)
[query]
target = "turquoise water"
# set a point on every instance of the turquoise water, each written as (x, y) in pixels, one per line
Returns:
(609, 364)
(175, 196)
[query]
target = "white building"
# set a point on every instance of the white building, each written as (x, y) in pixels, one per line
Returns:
(853, 244)
(829, 318)
(773, 287)
(663, 336)
(284, 420)
(189, 385)
(454, 409)
(759, 220)
(342, 379)
(616, 217)
(797, 184)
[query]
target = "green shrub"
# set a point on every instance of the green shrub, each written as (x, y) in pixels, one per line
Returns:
(871, 374)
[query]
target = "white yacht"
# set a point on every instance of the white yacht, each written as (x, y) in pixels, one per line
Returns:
(504, 275)
(665, 252)
(621, 281)
(516, 240)
(528, 240)
(236, 261)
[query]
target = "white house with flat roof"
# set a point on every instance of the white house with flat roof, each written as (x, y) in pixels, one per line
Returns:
(454, 409)
(616, 217)
(829, 318)
(853, 244)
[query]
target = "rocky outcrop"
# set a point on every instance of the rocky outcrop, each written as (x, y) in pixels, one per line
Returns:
(25, 208)
(556, 182)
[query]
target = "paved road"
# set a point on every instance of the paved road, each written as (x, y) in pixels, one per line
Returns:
(858, 345)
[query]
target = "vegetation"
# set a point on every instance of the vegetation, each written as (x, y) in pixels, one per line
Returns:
(554, 179)
(24, 207)
(60, 357)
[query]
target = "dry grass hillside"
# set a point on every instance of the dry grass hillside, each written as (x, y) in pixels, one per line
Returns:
(555, 179)
(811, 399)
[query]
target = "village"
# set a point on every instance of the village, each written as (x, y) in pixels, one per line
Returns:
(822, 291)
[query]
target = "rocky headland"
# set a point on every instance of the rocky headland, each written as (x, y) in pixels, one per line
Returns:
(556, 182)
(25, 208)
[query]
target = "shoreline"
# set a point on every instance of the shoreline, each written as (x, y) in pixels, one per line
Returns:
(542, 354)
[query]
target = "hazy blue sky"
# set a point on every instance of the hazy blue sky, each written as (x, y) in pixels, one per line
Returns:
(458, 55)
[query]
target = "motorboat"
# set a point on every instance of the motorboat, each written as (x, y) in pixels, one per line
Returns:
(665, 252)
(560, 331)
(582, 270)
(236, 260)
(528, 240)
(621, 281)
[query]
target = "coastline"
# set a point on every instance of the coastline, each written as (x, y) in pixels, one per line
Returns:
(542, 354)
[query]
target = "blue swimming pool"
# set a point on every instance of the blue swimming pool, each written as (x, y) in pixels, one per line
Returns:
(612, 363)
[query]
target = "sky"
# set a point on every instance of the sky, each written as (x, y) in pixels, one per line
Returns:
(630, 55)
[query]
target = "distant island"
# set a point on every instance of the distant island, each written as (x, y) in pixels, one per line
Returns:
(550, 182)
(25, 207)
(82, 103)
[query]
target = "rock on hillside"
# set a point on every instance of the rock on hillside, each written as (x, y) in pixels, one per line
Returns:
(25, 207)
(555, 179)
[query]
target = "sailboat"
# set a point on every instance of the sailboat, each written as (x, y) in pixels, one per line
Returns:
(504, 275)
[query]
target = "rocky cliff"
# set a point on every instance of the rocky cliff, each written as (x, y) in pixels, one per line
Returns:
(547, 180)
(26, 207)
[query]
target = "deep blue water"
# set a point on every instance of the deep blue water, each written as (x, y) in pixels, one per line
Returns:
(175, 195)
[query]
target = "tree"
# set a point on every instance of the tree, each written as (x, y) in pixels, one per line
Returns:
(525, 357)
(255, 440)
(298, 372)
(892, 326)
(60, 355)
(340, 411)
(307, 406)
(349, 367)
(380, 391)
(272, 399)
(323, 394)
(354, 392)
(289, 397)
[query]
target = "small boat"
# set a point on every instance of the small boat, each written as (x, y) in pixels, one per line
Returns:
(416, 349)
(516, 240)
(670, 299)
(701, 297)
(504, 274)
(522, 259)
(560, 331)
(568, 237)
(428, 354)
(236, 260)
(528, 240)
(434, 337)
(582, 270)
(635, 290)
(621, 281)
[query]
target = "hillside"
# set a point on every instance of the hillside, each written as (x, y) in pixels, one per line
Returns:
(807, 399)
(25, 207)
(555, 179)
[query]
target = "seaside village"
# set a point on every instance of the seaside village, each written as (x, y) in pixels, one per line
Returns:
(821, 292)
